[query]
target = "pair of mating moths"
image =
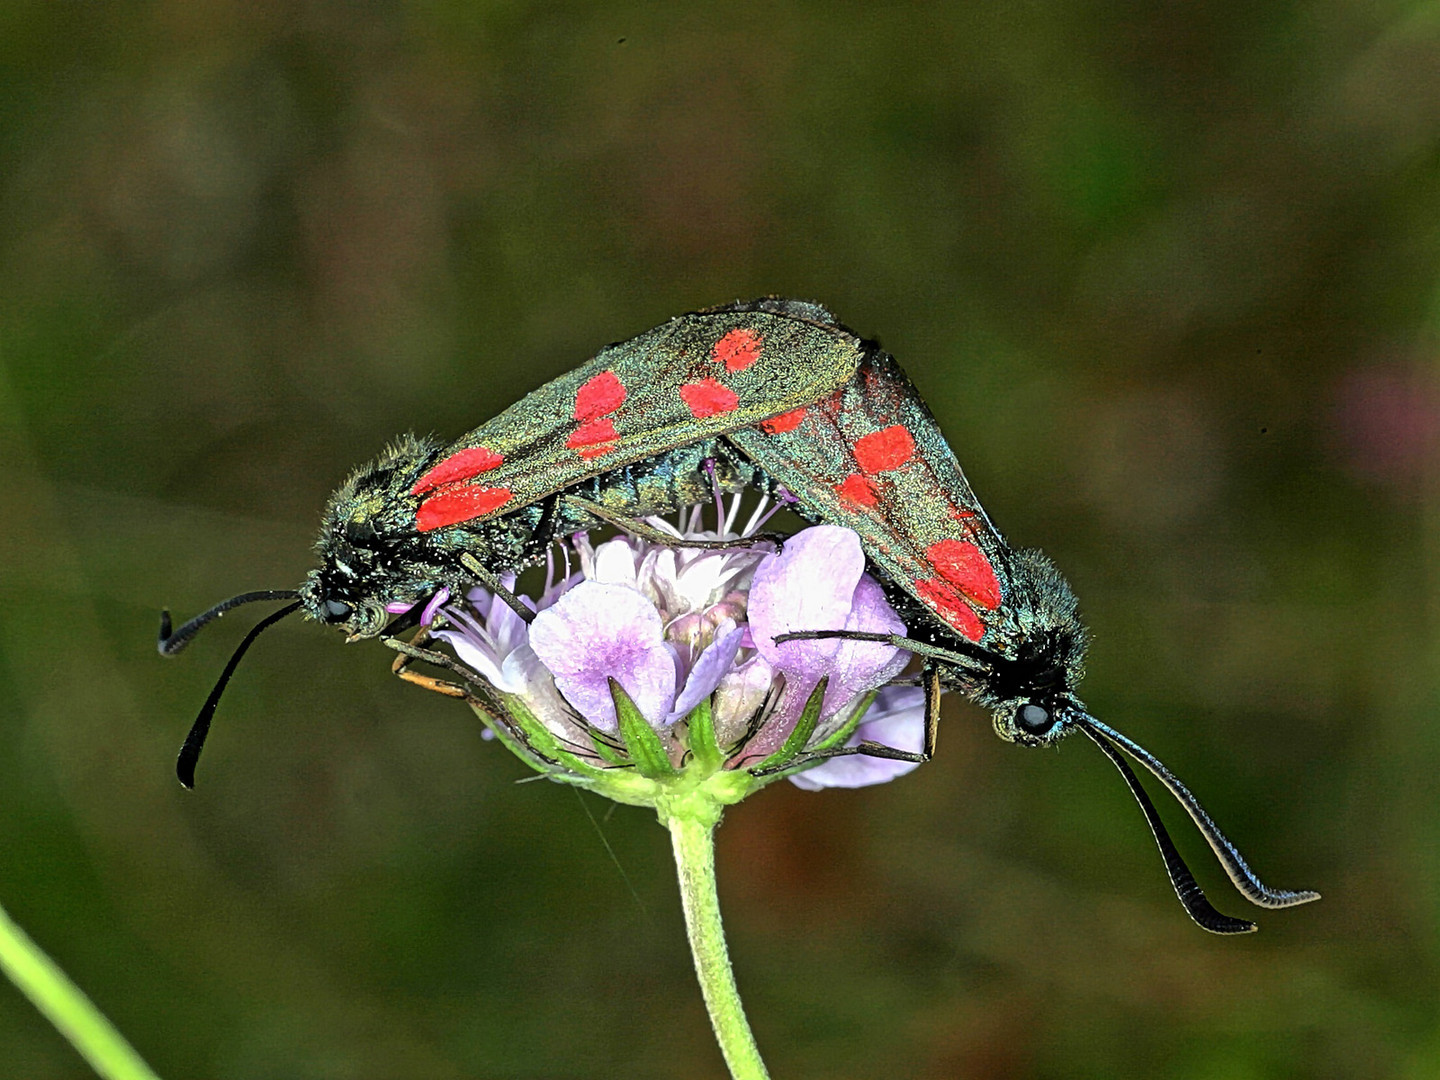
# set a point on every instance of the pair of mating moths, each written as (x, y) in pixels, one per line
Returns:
(773, 395)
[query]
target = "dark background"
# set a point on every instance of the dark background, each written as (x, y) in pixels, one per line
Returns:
(1168, 274)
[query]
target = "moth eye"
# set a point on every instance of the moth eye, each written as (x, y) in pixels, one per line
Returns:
(362, 533)
(337, 610)
(1034, 719)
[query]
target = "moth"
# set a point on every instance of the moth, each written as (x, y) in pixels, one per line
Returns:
(998, 624)
(776, 395)
(632, 432)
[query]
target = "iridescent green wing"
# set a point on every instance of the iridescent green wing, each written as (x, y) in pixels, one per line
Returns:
(697, 376)
(871, 458)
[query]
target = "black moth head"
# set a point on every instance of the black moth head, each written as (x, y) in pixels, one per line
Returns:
(369, 552)
(1028, 677)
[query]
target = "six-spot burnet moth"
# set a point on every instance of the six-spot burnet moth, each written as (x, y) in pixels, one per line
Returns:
(998, 624)
(631, 433)
(772, 394)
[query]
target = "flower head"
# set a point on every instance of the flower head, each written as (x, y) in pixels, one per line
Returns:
(654, 668)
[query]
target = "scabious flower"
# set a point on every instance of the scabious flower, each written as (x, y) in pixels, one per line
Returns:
(651, 670)
(650, 673)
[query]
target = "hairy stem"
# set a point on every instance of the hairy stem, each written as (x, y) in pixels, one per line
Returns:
(694, 843)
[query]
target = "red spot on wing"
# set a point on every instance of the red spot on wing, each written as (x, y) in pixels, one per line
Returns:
(461, 466)
(857, 489)
(708, 398)
(594, 437)
(786, 421)
(601, 394)
(951, 607)
(457, 504)
(886, 449)
(964, 565)
(737, 350)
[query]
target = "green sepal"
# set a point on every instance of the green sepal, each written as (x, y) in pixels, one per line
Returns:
(541, 741)
(803, 729)
(647, 753)
(848, 728)
(610, 753)
(492, 715)
(700, 729)
(814, 756)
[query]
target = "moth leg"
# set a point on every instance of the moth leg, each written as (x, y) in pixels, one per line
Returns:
(401, 667)
(645, 531)
(544, 533)
(492, 714)
(923, 649)
(930, 679)
(439, 686)
(491, 582)
(932, 709)
(868, 749)
(410, 652)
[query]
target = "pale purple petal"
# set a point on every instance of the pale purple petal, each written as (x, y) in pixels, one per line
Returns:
(522, 669)
(398, 607)
(596, 632)
(504, 625)
(496, 648)
(818, 583)
(695, 580)
(506, 629)
(485, 602)
(895, 719)
(860, 666)
(661, 571)
(614, 563)
(739, 696)
(808, 586)
(479, 657)
(709, 669)
(433, 605)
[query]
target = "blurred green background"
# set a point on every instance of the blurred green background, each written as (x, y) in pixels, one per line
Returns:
(1169, 274)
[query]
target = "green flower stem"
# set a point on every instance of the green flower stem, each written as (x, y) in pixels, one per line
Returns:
(66, 1006)
(693, 837)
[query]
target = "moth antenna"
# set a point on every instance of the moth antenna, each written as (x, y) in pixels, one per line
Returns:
(1250, 886)
(1192, 897)
(170, 643)
(195, 741)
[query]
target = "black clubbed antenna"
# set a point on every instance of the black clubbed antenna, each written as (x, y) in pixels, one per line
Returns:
(1191, 897)
(170, 644)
